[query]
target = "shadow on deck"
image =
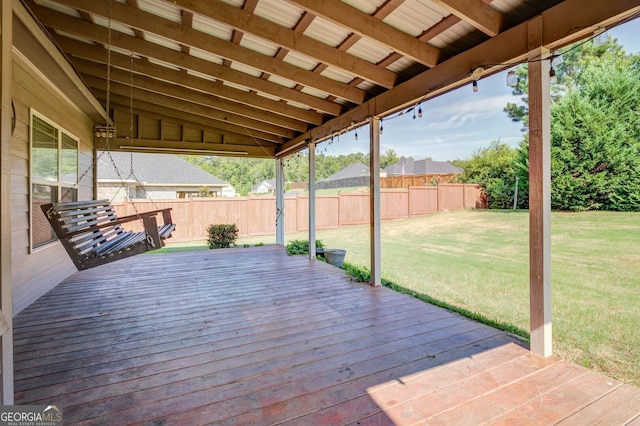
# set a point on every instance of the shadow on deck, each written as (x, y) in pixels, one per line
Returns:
(253, 336)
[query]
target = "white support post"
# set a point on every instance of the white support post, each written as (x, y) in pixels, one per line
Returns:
(374, 199)
(6, 298)
(279, 201)
(539, 192)
(312, 200)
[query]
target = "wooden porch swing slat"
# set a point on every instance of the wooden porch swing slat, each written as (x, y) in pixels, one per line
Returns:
(92, 234)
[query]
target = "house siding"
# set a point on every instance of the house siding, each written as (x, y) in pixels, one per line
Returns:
(35, 273)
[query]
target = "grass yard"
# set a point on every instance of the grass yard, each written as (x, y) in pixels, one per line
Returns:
(478, 260)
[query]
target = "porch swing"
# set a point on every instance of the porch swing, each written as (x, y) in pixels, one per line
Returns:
(90, 231)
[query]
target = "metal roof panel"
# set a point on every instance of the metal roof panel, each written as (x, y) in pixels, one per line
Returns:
(259, 45)
(369, 50)
(280, 12)
(300, 60)
(415, 17)
(326, 32)
(59, 8)
(163, 9)
(162, 41)
(211, 27)
(207, 56)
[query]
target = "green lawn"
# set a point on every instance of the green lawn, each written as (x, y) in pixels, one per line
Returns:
(478, 260)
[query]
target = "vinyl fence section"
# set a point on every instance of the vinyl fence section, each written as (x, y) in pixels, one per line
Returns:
(256, 215)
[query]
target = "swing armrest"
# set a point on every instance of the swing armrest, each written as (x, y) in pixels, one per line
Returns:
(166, 215)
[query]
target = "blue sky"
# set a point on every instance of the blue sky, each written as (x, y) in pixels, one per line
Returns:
(455, 125)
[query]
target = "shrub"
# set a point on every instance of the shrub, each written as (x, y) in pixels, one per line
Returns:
(301, 246)
(222, 235)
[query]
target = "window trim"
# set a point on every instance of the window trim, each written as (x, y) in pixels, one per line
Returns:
(59, 184)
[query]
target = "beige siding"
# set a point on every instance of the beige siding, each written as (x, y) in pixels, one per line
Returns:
(33, 274)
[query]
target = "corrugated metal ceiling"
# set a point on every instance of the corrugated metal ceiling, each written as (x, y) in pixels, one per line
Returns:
(367, 48)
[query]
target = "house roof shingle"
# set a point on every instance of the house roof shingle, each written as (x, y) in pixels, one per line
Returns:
(155, 169)
(409, 166)
(356, 169)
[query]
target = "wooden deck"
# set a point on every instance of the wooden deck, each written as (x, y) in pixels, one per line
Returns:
(255, 337)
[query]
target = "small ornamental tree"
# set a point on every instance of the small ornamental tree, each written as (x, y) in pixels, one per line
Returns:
(222, 235)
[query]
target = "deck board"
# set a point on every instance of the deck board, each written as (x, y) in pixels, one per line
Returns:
(253, 336)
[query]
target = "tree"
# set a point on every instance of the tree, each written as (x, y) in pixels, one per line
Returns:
(493, 168)
(390, 157)
(595, 130)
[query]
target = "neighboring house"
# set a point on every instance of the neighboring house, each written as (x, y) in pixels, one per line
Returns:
(409, 166)
(264, 187)
(356, 174)
(155, 176)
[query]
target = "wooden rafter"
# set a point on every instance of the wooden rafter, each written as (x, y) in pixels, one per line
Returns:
(183, 92)
(477, 13)
(187, 36)
(80, 52)
(290, 39)
(144, 48)
(198, 114)
(368, 26)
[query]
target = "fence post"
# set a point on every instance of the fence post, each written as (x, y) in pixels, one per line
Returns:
(464, 196)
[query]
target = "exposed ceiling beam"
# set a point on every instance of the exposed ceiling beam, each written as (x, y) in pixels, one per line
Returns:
(151, 50)
(373, 28)
(181, 91)
(563, 24)
(178, 147)
(145, 21)
(235, 138)
(153, 103)
(477, 13)
(290, 39)
(78, 50)
(207, 112)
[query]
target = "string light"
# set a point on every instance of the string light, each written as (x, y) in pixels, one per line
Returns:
(420, 111)
(512, 79)
(356, 134)
(381, 128)
(475, 86)
(552, 75)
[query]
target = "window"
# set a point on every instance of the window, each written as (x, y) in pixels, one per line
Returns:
(54, 173)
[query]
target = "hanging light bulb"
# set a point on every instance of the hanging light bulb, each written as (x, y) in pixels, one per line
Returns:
(420, 111)
(356, 134)
(475, 76)
(381, 128)
(552, 75)
(414, 113)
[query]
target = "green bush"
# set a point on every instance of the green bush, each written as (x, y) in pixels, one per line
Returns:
(301, 246)
(222, 235)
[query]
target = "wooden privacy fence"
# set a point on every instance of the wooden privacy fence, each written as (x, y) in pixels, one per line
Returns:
(256, 215)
